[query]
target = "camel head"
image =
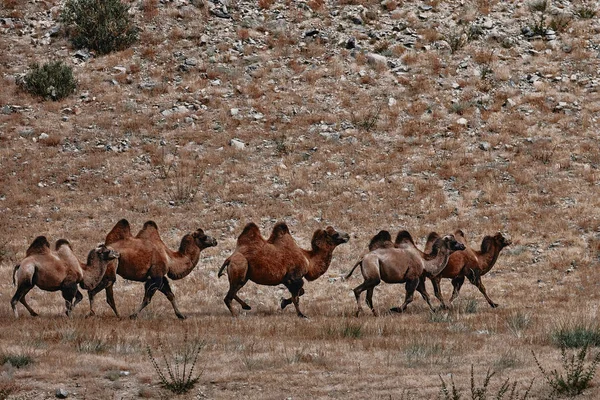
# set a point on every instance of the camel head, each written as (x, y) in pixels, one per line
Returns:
(502, 239)
(202, 240)
(102, 253)
(499, 240)
(329, 237)
(452, 243)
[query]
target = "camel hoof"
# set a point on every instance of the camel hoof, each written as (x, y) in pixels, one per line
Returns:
(246, 307)
(284, 303)
(133, 316)
(396, 310)
(181, 316)
(302, 316)
(494, 305)
(90, 314)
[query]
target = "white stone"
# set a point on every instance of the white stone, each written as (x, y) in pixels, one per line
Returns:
(237, 143)
(462, 121)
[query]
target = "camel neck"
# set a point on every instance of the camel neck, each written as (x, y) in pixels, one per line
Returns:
(182, 262)
(488, 259)
(319, 261)
(433, 266)
(93, 271)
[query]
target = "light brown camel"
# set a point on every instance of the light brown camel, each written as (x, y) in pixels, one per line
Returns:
(145, 258)
(401, 262)
(278, 260)
(58, 269)
(470, 264)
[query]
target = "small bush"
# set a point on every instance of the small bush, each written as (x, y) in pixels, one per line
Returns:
(52, 80)
(575, 335)
(481, 392)
(17, 360)
(585, 12)
(576, 377)
(539, 8)
(101, 25)
(178, 375)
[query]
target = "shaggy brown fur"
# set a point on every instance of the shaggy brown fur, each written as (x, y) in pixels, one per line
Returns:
(470, 264)
(278, 260)
(58, 269)
(402, 262)
(145, 258)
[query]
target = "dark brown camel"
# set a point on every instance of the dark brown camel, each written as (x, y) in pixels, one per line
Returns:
(145, 258)
(470, 264)
(58, 269)
(402, 262)
(278, 260)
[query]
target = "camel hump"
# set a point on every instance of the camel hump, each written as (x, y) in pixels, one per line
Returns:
(460, 236)
(149, 231)
(431, 239)
(279, 230)
(404, 237)
(62, 242)
(382, 240)
(121, 231)
(40, 245)
(486, 244)
(250, 234)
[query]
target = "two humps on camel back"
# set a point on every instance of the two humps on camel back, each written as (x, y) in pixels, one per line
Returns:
(59, 269)
(278, 260)
(146, 258)
(402, 262)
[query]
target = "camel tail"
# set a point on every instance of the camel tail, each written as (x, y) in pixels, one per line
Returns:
(14, 273)
(353, 268)
(222, 269)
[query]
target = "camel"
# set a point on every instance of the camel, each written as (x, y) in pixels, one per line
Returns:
(278, 260)
(470, 264)
(145, 258)
(401, 262)
(58, 269)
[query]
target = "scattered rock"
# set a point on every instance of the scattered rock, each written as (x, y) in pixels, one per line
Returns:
(485, 146)
(61, 393)
(462, 121)
(237, 143)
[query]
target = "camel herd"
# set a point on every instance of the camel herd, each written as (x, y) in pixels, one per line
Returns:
(272, 261)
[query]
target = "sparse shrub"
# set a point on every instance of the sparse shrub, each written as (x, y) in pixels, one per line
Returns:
(474, 32)
(481, 392)
(576, 376)
(353, 331)
(456, 39)
(52, 80)
(101, 25)
(517, 322)
(366, 118)
(183, 188)
(20, 360)
(560, 22)
(585, 12)
(178, 375)
(574, 335)
(539, 8)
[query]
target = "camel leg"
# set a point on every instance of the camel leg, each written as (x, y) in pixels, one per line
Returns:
(477, 282)
(435, 281)
(423, 290)
(369, 299)
(92, 293)
(457, 283)
(287, 302)
(236, 273)
(110, 299)
(19, 296)
(295, 286)
(78, 298)
(408, 298)
(366, 285)
(151, 286)
(165, 289)
(69, 293)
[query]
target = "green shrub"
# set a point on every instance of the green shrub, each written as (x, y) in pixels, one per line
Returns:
(578, 334)
(52, 80)
(178, 375)
(17, 360)
(576, 377)
(481, 392)
(101, 25)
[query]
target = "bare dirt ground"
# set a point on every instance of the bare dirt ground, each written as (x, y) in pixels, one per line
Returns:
(364, 115)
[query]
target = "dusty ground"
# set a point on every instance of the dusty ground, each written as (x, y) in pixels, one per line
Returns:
(497, 134)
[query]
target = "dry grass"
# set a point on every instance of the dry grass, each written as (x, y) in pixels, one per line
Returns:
(325, 144)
